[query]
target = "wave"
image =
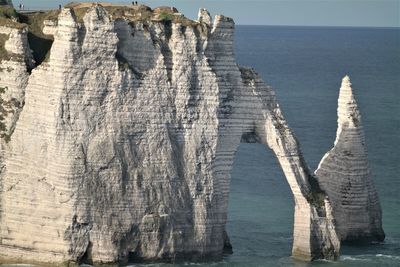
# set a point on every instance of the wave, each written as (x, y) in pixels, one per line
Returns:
(395, 257)
(369, 257)
(351, 258)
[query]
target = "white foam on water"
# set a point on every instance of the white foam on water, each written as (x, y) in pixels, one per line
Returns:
(352, 258)
(388, 256)
(368, 257)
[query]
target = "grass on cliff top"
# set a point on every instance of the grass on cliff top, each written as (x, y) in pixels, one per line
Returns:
(35, 21)
(8, 12)
(38, 41)
(9, 17)
(139, 13)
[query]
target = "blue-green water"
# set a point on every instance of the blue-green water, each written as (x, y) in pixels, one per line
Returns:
(305, 66)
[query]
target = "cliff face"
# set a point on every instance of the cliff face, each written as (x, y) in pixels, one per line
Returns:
(345, 175)
(123, 146)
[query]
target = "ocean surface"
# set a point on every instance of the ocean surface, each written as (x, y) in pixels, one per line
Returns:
(305, 66)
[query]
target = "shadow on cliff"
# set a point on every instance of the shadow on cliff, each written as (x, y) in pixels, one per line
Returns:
(40, 47)
(39, 42)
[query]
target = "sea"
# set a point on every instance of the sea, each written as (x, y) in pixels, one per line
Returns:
(305, 66)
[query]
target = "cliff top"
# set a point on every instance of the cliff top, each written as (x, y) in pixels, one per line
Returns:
(133, 13)
(8, 16)
(35, 21)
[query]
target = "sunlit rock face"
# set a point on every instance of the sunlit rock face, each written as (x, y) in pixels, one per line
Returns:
(123, 148)
(345, 175)
(14, 68)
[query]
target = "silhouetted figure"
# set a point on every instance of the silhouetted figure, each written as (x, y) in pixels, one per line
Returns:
(133, 3)
(136, 3)
(20, 6)
(59, 7)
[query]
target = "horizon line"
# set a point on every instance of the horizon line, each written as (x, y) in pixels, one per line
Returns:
(319, 26)
(269, 25)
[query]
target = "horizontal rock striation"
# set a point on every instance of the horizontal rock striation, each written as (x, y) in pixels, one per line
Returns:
(15, 63)
(345, 175)
(123, 148)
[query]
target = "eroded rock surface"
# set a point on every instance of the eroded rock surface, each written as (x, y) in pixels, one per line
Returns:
(345, 175)
(15, 64)
(124, 146)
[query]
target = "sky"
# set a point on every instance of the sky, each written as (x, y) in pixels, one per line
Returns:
(369, 13)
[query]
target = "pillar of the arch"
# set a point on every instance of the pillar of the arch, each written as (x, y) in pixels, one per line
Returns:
(314, 233)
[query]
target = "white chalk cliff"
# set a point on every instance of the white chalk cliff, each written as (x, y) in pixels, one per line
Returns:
(123, 145)
(345, 175)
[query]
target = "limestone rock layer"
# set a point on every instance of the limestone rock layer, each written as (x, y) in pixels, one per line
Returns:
(345, 175)
(123, 148)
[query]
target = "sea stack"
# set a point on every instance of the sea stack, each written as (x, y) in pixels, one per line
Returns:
(345, 175)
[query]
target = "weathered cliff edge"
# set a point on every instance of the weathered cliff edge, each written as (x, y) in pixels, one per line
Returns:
(345, 175)
(119, 145)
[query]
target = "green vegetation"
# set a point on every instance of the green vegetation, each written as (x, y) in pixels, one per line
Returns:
(317, 198)
(11, 23)
(3, 51)
(6, 107)
(9, 17)
(166, 16)
(133, 14)
(8, 12)
(41, 43)
(79, 13)
(3, 115)
(6, 2)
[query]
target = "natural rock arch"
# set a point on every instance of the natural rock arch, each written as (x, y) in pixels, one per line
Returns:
(263, 122)
(123, 152)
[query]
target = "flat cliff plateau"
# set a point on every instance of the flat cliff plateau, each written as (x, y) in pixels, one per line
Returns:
(119, 128)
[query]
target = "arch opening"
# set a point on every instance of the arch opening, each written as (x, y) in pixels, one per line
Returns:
(261, 205)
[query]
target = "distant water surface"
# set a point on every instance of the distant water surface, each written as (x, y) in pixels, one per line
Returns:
(305, 66)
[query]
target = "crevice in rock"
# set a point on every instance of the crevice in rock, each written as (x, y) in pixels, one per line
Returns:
(39, 42)
(165, 50)
(87, 256)
(167, 53)
(123, 56)
(134, 256)
(40, 47)
(77, 234)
